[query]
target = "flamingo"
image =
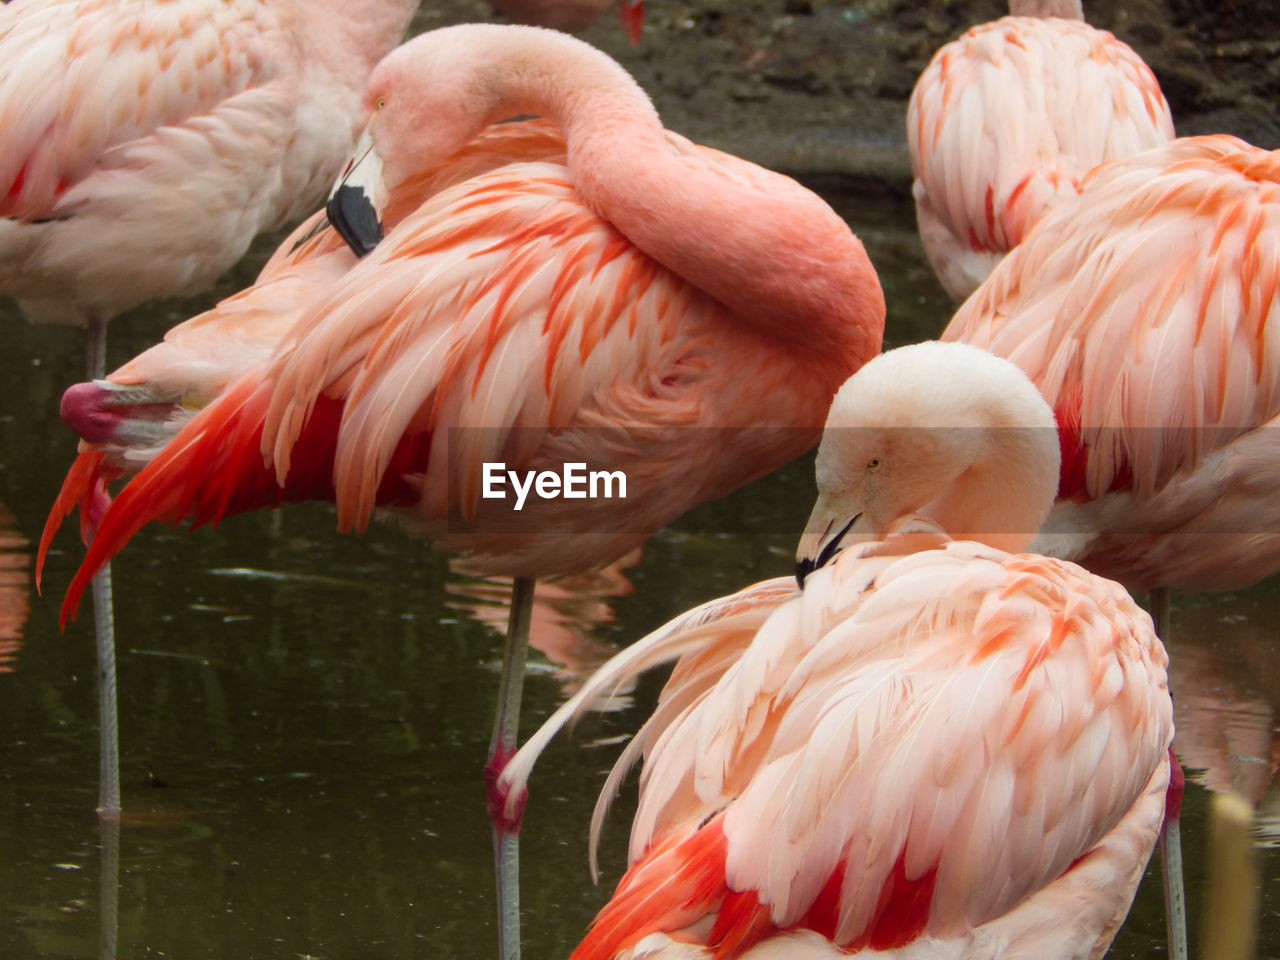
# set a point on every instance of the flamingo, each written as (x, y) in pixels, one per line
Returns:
(1142, 309)
(934, 748)
(590, 289)
(1006, 120)
(146, 144)
(142, 147)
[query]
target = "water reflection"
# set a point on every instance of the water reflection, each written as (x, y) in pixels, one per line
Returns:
(15, 590)
(568, 620)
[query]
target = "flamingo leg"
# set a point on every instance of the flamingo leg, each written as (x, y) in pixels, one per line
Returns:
(506, 840)
(1171, 872)
(104, 625)
(109, 889)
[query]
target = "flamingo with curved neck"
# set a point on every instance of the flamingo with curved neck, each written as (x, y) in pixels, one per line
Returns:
(583, 288)
(826, 768)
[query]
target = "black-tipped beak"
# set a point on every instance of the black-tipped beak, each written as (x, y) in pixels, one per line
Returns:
(804, 567)
(353, 215)
(828, 546)
(355, 206)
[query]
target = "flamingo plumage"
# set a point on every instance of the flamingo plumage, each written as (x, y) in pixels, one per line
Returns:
(935, 748)
(146, 144)
(1006, 121)
(1144, 311)
(577, 301)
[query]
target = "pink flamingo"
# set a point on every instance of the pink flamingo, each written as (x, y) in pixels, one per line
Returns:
(1006, 120)
(935, 748)
(146, 144)
(142, 147)
(1142, 310)
(619, 297)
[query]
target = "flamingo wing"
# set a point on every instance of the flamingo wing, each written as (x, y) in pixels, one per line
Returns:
(499, 310)
(87, 85)
(488, 319)
(912, 747)
(1142, 311)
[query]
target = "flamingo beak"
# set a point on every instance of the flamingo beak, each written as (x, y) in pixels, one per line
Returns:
(358, 198)
(131, 415)
(823, 538)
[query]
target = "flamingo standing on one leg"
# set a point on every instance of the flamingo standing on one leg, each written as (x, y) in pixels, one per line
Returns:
(936, 748)
(142, 147)
(620, 298)
(1006, 120)
(1145, 310)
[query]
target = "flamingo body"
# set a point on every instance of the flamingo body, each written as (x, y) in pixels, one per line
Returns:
(935, 749)
(145, 144)
(1004, 123)
(502, 319)
(1145, 311)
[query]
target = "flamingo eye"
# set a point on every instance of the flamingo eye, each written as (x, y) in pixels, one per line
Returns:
(380, 103)
(873, 463)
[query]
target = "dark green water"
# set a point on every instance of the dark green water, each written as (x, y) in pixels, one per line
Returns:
(304, 716)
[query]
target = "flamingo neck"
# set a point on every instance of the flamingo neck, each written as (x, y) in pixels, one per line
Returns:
(772, 251)
(1003, 496)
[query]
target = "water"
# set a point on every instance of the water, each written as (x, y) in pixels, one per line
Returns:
(304, 716)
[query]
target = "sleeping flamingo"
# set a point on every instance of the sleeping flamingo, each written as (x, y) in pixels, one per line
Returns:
(619, 297)
(1145, 311)
(1006, 120)
(935, 748)
(143, 146)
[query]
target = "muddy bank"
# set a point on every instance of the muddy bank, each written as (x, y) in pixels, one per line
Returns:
(819, 87)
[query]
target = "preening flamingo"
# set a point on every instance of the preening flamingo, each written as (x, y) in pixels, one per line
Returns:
(146, 144)
(142, 147)
(1006, 120)
(619, 297)
(1145, 312)
(936, 748)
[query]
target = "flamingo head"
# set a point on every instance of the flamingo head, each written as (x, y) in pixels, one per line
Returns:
(941, 431)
